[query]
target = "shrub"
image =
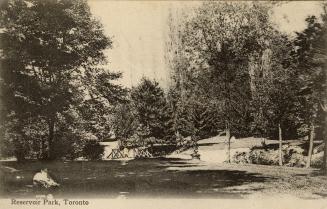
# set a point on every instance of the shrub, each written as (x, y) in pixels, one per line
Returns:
(67, 147)
(292, 156)
(263, 157)
(241, 158)
(93, 150)
(296, 160)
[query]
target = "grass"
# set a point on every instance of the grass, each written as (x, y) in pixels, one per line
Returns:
(158, 178)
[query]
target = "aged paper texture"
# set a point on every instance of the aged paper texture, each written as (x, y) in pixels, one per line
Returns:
(163, 104)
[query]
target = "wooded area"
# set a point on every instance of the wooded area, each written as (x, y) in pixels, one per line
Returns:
(231, 70)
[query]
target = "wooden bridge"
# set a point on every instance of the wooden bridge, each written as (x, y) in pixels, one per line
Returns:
(140, 152)
(115, 154)
(144, 150)
(155, 150)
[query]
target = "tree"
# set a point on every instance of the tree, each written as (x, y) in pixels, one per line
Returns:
(310, 57)
(150, 105)
(191, 115)
(217, 44)
(98, 109)
(125, 121)
(179, 117)
(48, 47)
(274, 94)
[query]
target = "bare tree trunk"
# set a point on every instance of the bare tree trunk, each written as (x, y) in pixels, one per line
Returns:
(323, 105)
(325, 157)
(42, 148)
(311, 137)
(228, 143)
(50, 138)
(324, 166)
(280, 145)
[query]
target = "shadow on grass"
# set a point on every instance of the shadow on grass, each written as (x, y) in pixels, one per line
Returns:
(207, 144)
(319, 172)
(138, 178)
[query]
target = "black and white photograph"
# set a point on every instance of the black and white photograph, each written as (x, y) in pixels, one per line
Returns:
(162, 100)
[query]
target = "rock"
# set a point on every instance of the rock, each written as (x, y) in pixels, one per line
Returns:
(43, 179)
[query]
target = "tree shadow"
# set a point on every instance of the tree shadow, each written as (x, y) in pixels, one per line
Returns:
(138, 178)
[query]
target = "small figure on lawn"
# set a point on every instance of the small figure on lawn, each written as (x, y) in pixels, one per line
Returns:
(195, 154)
(43, 180)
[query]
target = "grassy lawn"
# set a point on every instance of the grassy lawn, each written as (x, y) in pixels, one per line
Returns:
(158, 178)
(279, 181)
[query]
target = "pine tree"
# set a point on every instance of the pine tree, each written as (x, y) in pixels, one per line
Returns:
(149, 102)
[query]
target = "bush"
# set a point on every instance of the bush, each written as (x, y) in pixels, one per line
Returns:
(263, 157)
(292, 156)
(241, 158)
(296, 160)
(67, 147)
(93, 150)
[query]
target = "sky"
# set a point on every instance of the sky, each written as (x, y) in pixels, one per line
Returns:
(139, 31)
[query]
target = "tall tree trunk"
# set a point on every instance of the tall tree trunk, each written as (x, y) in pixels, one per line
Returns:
(19, 150)
(325, 157)
(311, 137)
(325, 150)
(50, 138)
(280, 145)
(228, 143)
(42, 148)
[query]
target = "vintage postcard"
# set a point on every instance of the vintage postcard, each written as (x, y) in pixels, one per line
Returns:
(163, 104)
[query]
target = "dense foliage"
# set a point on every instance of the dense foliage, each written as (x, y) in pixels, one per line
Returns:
(232, 71)
(229, 60)
(92, 150)
(230, 57)
(51, 87)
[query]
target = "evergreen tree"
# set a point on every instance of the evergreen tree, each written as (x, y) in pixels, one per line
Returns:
(125, 121)
(149, 102)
